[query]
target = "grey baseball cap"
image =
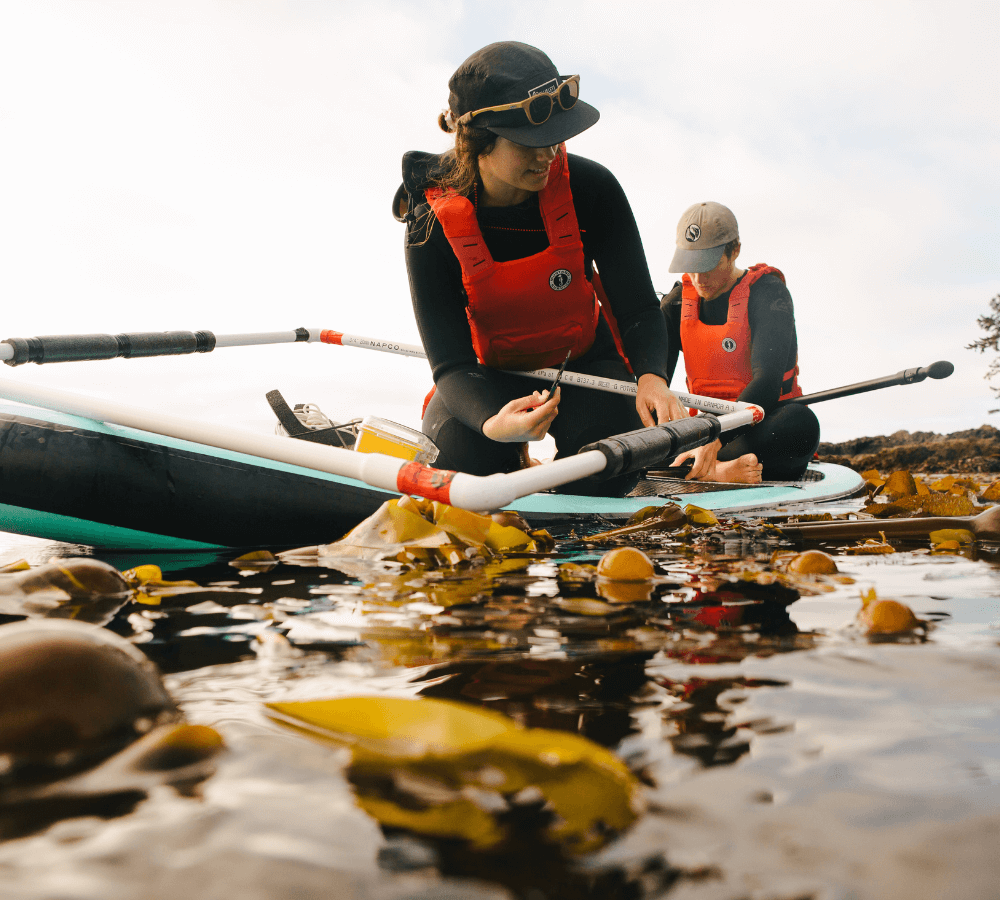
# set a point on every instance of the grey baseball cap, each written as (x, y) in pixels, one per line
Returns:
(702, 235)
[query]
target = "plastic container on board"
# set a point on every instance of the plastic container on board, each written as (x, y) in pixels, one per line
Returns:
(377, 435)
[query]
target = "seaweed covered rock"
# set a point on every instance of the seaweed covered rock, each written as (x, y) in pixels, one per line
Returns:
(71, 688)
(975, 450)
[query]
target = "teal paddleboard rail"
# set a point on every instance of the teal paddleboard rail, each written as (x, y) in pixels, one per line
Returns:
(98, 484)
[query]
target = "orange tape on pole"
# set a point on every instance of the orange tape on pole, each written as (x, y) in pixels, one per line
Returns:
(423, 481)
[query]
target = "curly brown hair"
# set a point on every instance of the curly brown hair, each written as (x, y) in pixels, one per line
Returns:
(461, 163)
(459, 167)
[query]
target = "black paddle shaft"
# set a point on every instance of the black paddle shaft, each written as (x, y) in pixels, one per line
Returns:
(940, 369)
(654, 446)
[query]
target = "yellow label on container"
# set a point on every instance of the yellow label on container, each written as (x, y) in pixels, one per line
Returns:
(374, 443)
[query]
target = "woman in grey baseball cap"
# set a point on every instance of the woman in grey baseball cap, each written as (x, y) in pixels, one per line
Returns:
(504, 233)
(736, 328)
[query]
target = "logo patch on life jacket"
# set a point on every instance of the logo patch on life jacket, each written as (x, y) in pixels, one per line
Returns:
(728, 344)
(693, 233)
(559, 280)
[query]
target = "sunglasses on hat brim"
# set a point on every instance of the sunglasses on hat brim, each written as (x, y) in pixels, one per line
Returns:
(538, 107)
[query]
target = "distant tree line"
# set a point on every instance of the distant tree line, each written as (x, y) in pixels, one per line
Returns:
(991, 340)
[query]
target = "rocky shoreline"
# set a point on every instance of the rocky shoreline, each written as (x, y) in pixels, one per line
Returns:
(976, 450)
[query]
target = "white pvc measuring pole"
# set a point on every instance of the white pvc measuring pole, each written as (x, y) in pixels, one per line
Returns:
(267, 337)
(468, 491)
(610, 385)
(389, 473)
(328, 336)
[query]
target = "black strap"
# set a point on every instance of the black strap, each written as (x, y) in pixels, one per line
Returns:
(296, 429)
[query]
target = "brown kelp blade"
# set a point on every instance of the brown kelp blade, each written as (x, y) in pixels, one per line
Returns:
(985, 526)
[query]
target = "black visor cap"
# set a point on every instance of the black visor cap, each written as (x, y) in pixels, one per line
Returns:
(560, 126)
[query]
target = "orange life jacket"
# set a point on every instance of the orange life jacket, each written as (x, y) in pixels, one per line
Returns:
(717, 357)
(524, 313)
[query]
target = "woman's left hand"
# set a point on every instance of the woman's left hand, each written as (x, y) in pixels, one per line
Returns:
(656, 403)
(705, 458)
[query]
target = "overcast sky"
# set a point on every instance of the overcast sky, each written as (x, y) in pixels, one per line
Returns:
(172, 165)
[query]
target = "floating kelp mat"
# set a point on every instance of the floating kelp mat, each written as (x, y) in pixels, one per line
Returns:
(544, 721)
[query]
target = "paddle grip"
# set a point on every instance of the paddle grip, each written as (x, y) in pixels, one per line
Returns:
(76, 348)
(653, 446)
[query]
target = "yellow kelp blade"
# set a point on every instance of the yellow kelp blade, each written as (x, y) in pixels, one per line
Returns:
(502, 538)
(957, 535)
(466, 526)
(668, 517)
(150, 577)
(478, 530)
(698, 516)
(992, 491)
(386, 532)
(453, 768)
(584, 783)
(403, 528)
(456, 817)
(900, 484)
(396, 728)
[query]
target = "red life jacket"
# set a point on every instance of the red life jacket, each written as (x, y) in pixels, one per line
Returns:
(717, 357)
(524, 313)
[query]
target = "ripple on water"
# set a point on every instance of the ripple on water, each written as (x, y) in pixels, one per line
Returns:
(784, 755)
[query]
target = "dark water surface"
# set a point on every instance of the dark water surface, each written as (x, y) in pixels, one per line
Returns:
(781, 753)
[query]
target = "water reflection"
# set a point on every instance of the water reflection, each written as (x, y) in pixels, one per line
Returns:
(727, 687)
(592, 697)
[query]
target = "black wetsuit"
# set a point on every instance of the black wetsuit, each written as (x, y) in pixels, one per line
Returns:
(789, 435)
(469, 393)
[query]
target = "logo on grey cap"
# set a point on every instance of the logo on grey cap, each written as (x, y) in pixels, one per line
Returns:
(729, 345)
(559, 280)
(693, 233)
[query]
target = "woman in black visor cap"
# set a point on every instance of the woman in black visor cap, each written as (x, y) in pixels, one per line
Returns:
(504, 233)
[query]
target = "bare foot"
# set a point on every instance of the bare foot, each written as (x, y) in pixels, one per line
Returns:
(744, 470)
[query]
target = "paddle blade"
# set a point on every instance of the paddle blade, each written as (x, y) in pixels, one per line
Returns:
(941, 369)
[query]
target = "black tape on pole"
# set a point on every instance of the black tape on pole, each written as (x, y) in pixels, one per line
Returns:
(166, 343)
(81, 347)
(649, 447)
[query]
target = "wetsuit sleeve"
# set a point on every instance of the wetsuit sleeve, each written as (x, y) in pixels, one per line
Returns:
(611, 239)
(468, 389)
(670, 306)
(772, 337)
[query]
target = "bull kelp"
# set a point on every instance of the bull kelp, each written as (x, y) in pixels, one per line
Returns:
(444, 705)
